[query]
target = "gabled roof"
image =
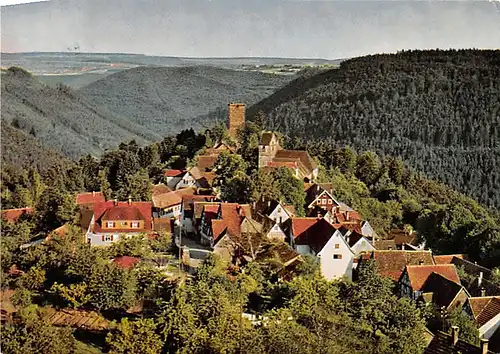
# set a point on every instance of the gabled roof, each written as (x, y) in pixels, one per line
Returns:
(89, 198)
(384, 245)
(447, 258)
(401, 237)
(206, 162)
(12, 215)
(266, 138)
(277, 164)
(218, 228)
(418, 274)
(442, 343)
(301, 155)
(198, 207)
(126, 262)
(174, 173)
(123, 211)
(170, 199)
(443, 289)
(233, 214)
(484, 308)
(204, 179)
(160, 189)
(312, 232)
(392, 263)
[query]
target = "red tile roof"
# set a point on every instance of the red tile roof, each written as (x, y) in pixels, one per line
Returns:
(89, 198)
(300, 225)
(205, 162)
(277, 164)
(392, 263)
(418, 274)
(218, 227)
(484, 308)
(312, 232)
(122, 211)
(443, 289)
(126, 262)
(12, 215)
(446, 259)
(174, 173)
(170, 199)
(301, 155)
(160, 189)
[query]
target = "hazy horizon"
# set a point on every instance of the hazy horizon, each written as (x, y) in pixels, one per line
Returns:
(242, 29)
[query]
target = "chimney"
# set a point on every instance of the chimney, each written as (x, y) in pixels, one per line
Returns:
(483, 292)
(347, 215)
(236, 118)
(484, 346)
(93, 193)
(420, 262)
(317, 187)
(454, 334)
(480, 279)
(115, 202)
(268, 203)
(403, 246)
(129, 200)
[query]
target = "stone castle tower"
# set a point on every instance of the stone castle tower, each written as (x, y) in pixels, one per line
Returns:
(235, 117)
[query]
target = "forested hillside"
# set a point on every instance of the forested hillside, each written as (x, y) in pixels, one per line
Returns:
(22, 150)
(61, 119)
(437, 110)
(166, 99)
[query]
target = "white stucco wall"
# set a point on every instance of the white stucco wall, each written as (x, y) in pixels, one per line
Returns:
(332, 268)
(367, 230)
(490, 327)
(279, 214)
(363, 245)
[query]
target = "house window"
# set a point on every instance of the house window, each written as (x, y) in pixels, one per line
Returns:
(324, 201)
(124, 223)
(337, 245)
(134, 224)
(337, 256)
(319, 201)
(330, 201)
(108, 238)
(110, 224)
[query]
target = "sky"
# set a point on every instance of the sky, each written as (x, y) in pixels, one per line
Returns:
(15, 2)
(248, 28)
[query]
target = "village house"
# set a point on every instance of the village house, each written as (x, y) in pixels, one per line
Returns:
(477, 282)
(444, 293)
(112, 220)
(169, 205)
(86, 201)
(391, 263)
(414, 277)
(358, 243)
(319, 238)
(227, 218)
(192, 209)
(442, 343)
(485, 311)
(272, 155)
(274, 210)
(178, 179)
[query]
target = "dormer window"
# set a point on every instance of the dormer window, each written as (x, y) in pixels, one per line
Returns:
(110, 224)
(134, 224)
